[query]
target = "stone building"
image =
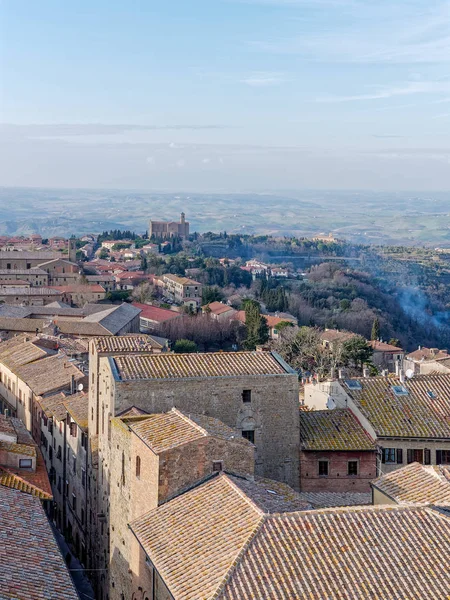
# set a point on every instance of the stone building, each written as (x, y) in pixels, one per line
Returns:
(169, 229)
(63, 422)
(408, 419)
(35, 277)
(253, 392)
(337, 455)
(153, 458)
(181, 289)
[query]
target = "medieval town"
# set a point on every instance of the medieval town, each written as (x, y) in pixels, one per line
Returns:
(168, 436)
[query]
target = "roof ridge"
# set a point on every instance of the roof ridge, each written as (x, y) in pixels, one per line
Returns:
(239, 555)
(195, 425)
(242, 493)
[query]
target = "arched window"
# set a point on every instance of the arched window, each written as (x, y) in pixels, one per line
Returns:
(138, 466)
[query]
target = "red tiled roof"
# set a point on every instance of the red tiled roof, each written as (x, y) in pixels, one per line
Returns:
(383, 347)
(154, 313)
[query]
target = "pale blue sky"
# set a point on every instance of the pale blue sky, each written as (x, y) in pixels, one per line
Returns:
(226, 94)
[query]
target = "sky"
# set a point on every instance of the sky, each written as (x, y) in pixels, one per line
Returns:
(225, 95)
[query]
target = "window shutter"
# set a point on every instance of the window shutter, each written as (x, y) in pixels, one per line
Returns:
(439, 457)
(410, 456)
(399, 456)
(427, 456)
(383, 456)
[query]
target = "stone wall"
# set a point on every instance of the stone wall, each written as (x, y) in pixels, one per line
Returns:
(272, 413)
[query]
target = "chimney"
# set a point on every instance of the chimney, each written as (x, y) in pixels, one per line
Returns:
(332, 373)
(397, 368)
(72, 384)
(402, 376)
(341, 374)
(366, 372)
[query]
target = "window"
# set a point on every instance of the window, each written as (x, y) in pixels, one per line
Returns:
(443, 457)
(74, 464)
(59, 453)
(74, 502)
(59, 484)
(25, 463)
(73, 429)
(249, 435)
(352, 467)
(389, 456)
(123, 468)
(50, 453)
(323, 468)
(217, 465)
(247, 396)
(415, 455)
(400, 390)
(138, 466)
(83, 440)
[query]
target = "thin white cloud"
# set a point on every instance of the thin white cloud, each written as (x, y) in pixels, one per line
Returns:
(408, 89)
(180, 163)
(399, 32)
(263, 79)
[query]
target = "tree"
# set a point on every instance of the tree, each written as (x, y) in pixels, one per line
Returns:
(375, 330)
(356, 351)
(394, 342)
(144, 292)
(257, 328)
(211, 294)
(185, 346)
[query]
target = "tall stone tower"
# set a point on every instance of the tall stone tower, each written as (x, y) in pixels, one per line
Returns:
(72, 250)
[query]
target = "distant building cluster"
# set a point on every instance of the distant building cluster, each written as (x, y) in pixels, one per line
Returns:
(169, 229)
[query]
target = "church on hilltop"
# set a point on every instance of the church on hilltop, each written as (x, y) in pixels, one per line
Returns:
(168, 229)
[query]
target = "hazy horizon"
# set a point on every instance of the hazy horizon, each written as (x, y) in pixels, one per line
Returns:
(226, 95)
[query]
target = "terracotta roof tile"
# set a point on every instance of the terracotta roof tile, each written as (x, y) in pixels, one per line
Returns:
(423, 411)
(351, 554)
(214, 364)
(77, 407)
(335, 429)
(32, 565)
(162, 431)
(416, 484)
(126, 343)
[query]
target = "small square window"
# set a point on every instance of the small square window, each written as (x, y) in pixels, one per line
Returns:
(323, 468)
(352, 467)
(25, 463)
(217, 465)
(247, 396)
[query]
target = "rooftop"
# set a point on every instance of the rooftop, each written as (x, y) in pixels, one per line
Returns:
(77, 407)
(422, 354)
(334, 335)
(154, 313)
(335, 429)
(126, 343)
(218, 308)
(48, 374)
(418, 407)
(19, 351)
(383, 347)
(32, 566)
(214, 364)
(30, 291)
(163, 431)
(180, 280)
(416, 484)
(246, 552)
(336, 499)
(21, 255)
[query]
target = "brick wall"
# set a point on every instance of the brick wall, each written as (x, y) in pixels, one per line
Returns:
(337, 479)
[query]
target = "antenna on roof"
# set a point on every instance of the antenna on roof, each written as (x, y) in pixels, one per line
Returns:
(409, 373)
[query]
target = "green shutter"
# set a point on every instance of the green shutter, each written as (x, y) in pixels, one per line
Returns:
(399, 456)
(409, 456)
(427, 456)
(439, 457)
